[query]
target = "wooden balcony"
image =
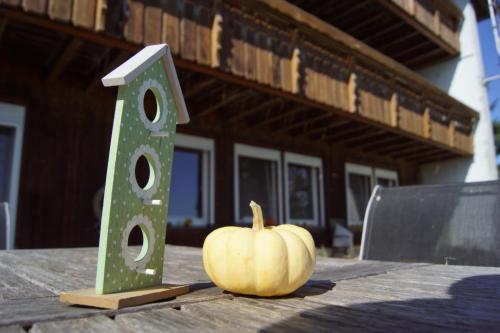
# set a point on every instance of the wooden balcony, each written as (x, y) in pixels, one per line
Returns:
(342, 90)
(413, 32)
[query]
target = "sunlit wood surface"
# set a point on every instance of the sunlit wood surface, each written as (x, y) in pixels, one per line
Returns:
(343, 295)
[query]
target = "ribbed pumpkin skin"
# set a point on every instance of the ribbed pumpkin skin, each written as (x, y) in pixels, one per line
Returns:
(269, 262)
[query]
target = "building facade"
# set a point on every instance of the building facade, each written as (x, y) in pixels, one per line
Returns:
(301, 106)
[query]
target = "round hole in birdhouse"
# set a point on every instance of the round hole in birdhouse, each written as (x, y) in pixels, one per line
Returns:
(138, 242)
(151, 107)
(144, 172)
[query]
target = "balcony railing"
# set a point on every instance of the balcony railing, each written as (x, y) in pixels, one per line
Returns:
(440, 17)
(284, 49)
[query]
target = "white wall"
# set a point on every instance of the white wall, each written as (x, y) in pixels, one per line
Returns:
(462, 78)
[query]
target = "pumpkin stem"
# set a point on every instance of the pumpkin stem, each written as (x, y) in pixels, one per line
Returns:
(258, 220)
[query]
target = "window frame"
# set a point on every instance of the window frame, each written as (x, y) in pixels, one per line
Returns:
(387, 174)
(258, 153)
(357, 169)
(13, 116)
(316, 165)
(373, 173)
(207, 148)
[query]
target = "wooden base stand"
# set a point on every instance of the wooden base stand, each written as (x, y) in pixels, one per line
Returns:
(114, 301)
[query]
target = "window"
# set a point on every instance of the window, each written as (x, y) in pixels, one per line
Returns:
(192, 189)
(386, 178)
(360, 181)
(11, 140)
(257, 174)
(303, 189)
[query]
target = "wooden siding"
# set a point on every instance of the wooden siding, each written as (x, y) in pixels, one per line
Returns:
(439, 127)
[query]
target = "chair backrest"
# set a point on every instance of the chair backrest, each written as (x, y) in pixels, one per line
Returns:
(4, 225)
(454, 223)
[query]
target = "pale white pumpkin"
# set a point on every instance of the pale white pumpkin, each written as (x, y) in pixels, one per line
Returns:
(260, 261)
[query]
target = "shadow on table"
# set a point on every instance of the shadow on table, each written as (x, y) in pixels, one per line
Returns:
(311, 288)
(474, 306)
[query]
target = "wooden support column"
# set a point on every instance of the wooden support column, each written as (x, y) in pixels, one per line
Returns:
(437, 22)
(426, 119)
(295, 75)
(352, 93)
(451, 133)
(394, 109)
(216, 45)
(100, 15)
(411, 7)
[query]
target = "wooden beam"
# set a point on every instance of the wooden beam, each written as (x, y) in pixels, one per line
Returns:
(415, 151)
(3, 25)
(426, 154)
(224, 101)
(281, 115)
(64, 59)
(412, 49)
(192, 91)
(383, 32)
(303, 130)
(362, 138)
(328, 126)
(434, 158)
(355, 28)
(119, 59)
(381, 143)
(290, 127)
(425, 30)
(387, 149)
(256, 109)
(349, 131)
(414, 61)
(397, 41)
(339, 16)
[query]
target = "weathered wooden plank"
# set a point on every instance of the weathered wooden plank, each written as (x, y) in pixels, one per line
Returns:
(12, 329)
(25, 312)
(84, 13)
(275, 63)
(60, 9)
(203, 37)
(152, 25)
(250, 54)
(188, 32)
(35, 6)
(84, 325)
(11, 2)
(168, 320)
(134, 31)
(171, 28)
(237, 49)
(13, 287)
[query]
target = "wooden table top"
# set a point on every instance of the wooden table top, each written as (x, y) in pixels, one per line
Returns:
(342, 295)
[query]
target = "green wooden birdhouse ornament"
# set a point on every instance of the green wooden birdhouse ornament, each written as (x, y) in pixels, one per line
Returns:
(124, 278)
(127, 202)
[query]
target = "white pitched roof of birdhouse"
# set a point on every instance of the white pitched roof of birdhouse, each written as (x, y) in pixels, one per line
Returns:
(133, 67)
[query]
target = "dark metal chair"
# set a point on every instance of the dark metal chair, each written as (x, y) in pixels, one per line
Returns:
(444, 224)
(4, 225)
